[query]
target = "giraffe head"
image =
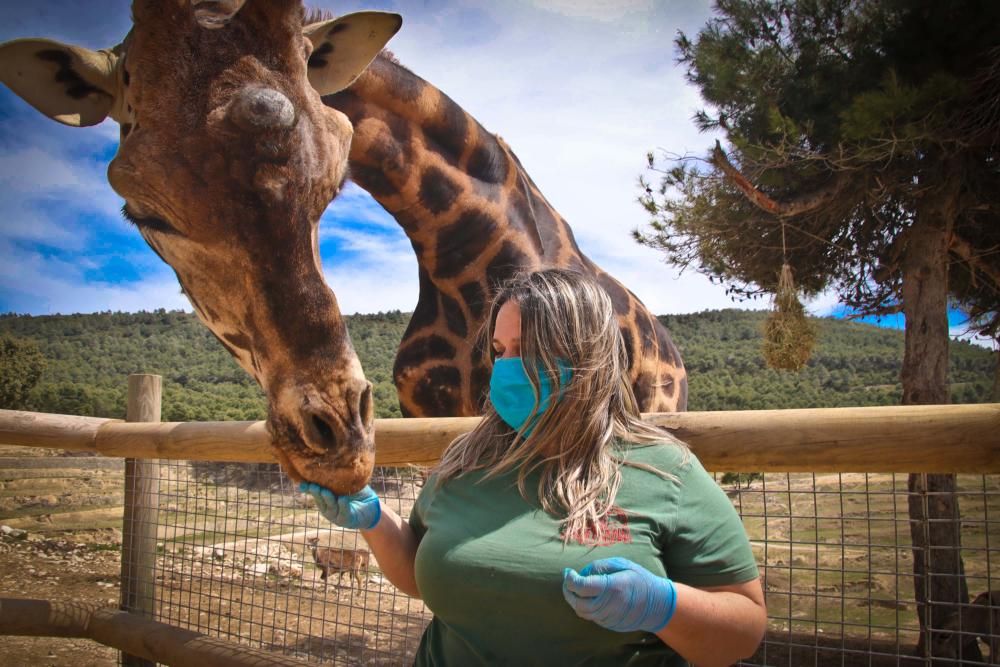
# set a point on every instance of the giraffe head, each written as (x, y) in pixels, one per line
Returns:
(227, 159)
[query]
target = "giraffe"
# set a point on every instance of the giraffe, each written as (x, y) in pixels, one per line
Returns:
(474, 218)
(227, 159)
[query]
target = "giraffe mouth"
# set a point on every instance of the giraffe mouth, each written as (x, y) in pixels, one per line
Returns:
(344, 472)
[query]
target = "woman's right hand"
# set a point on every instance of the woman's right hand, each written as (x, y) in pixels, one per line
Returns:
(360, 511)
(620, 595)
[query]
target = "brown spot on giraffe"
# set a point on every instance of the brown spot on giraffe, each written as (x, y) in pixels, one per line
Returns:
(474, 296)
(227, 160)
(460, 243)
(475, 218)
(437, 192)
(418, 350)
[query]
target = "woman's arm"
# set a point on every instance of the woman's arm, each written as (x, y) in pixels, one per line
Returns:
(395, 547)
(391, 539)
(718, 625)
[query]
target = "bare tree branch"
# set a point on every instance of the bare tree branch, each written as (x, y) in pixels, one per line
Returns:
(967, 253)
(789, 209)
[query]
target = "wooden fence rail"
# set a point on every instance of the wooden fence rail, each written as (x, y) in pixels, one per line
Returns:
(131, 634)
(926, 438)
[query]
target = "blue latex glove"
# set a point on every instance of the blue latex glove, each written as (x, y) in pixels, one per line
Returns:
(620, 595)
(360, 511)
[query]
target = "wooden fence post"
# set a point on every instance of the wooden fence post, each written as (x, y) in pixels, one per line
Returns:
(141, 500)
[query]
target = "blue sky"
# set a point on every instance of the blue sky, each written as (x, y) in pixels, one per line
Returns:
(581, 89)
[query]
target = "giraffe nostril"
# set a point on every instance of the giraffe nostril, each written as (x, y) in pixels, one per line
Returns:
(323, 430)
(339, 430)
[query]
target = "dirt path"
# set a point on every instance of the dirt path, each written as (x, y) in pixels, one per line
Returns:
(80, 567)
(236, 569)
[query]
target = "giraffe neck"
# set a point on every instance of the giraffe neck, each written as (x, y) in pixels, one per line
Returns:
(458, 191)
(474, 218)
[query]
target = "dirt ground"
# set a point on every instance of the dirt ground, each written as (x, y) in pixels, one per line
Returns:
(299, 616)
(75, 567)
(229, 563)
(42, 560)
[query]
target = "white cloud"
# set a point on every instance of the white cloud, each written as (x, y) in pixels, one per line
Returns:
(353, 206)
(107, 131)
(598, 10)
(49, 190)
(363, 288)
(380, 251)
(664, 292)
(53, 285)
(372, 271)
(20, 222)
(823, 304)
(147, 294)
(962, 332)
(26, 169)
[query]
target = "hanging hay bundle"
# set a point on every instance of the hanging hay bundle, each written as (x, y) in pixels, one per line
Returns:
(789, 337)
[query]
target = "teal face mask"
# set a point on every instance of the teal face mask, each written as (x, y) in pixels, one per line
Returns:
(512, 395)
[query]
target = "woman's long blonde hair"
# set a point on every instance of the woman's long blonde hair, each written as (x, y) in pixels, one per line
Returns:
(565, 316)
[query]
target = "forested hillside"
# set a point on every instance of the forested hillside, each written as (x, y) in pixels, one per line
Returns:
(89, 356)
(853, 364)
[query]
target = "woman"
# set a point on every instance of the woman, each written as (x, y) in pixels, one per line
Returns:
(563, 529)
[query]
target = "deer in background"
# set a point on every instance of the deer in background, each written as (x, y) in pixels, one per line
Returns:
(339, 561)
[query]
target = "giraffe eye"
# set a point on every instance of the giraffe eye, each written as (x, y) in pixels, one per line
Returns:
(150, 223)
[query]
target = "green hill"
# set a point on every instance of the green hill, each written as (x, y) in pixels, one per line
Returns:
(854, 364)
(89, 356)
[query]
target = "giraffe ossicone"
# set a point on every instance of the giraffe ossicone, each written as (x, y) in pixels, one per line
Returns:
(227, 160)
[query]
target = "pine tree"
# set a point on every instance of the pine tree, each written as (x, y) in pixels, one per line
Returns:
(21, 366)
(862, 144)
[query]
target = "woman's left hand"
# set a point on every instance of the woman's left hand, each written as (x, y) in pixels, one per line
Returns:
(361, 510)
(620, 595)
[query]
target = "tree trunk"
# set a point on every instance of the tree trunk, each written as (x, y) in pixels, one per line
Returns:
(935, 528)
(996, 375)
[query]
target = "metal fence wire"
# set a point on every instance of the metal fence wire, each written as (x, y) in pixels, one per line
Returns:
(239, 555)
(242, 555)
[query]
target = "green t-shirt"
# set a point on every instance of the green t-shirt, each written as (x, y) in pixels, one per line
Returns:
(490, 564)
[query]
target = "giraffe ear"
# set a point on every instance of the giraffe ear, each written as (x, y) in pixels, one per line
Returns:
(344, 47)
(70, 84)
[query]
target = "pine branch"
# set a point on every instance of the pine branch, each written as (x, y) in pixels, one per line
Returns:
(789, 209)
(967, 253)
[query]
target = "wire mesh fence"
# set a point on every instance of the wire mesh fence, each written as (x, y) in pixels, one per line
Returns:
(836, 556)
(242, 555)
